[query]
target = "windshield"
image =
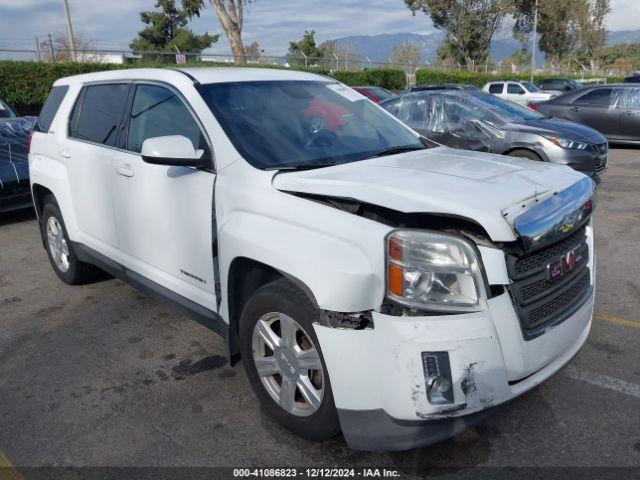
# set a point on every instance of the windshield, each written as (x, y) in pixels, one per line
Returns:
(279, 124)
(574, 83)
(530, 86)
(505, 110)
(381, 93)
(5, 111)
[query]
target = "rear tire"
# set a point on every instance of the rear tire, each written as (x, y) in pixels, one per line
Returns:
(525, 154)
(293, 384)
(64, 260)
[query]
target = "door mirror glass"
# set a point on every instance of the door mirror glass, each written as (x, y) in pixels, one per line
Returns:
(174, 150)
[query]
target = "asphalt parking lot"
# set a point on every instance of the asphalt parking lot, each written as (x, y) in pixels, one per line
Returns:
(101, 375)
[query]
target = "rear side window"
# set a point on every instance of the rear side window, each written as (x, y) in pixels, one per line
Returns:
(496, 88)
(50, 108)
(597, 97)
(98, 113)
(156, 112)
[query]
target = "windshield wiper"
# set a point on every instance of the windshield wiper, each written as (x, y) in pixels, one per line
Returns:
(396, 150)
(303, 166)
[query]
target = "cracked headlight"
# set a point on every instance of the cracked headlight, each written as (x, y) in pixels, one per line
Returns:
(569, 144)
(433, 271)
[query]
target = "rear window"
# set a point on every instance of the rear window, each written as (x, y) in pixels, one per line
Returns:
(496, 88)
(50, 108)
(98, 113)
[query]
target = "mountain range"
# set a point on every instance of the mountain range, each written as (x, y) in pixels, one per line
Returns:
(379, 48)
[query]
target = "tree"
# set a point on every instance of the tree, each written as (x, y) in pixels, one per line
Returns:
(167, 30)
(406, 56)
(593, 32)
(469, 25)
(253, 53)
(304, 50)
(231, 17)
(558, 26)
(62, 49)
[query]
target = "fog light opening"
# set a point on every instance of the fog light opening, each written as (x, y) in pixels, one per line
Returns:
(437, 375)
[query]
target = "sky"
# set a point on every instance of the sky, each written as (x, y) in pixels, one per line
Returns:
(112, 24)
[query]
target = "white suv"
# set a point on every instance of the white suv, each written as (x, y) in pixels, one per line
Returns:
(519, 92)
(371, 283)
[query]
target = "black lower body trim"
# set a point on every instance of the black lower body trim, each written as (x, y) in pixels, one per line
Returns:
(208, 318)
(375, 430)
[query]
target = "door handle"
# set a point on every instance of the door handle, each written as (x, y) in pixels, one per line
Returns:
(64, 152)
(575, 109)
(125, 171)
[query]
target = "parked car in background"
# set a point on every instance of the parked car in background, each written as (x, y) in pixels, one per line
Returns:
(522, 92)
(635, 78)
(442, 86)
(613, 110)
(14, 163)
(369, 283)
(556, 84)
(479, 121)
(377, 94)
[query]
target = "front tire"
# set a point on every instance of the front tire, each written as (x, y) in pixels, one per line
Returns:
(284, 363)
(59, 249)
(525, 154)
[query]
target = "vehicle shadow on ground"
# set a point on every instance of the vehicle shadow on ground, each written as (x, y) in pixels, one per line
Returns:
(17, 216)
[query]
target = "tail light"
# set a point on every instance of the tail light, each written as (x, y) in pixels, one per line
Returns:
(29, 142)
(533, 106)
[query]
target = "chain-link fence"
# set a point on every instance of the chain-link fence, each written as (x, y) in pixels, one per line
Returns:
(330, 62)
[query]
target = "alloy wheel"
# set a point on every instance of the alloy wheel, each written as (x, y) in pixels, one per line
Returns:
(288, 364)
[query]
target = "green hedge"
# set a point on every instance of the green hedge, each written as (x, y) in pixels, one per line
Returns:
(382, 77)
(26, 85)
(425, 75)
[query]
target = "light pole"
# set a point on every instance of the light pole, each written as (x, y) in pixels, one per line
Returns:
(534, 34)
(72, 42)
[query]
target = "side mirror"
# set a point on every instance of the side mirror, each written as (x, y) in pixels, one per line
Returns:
(173, 150)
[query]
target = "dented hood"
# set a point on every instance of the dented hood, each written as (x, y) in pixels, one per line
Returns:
(488, 189)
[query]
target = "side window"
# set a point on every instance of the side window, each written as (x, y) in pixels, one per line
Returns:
(598, 97)
(626, 99)
(496, 88)
(50, 108)
(514, 88)
(156, 112)
(98, 113)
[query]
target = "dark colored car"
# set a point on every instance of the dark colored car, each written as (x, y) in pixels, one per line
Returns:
(15, 192)
(613, 110)
(377, 94)
(442, 86)
(635, 78)
(559, 84)
(479, 121)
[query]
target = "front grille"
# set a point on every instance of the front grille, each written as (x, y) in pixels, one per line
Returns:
(601, 148)
(540, 301)
(600, 164)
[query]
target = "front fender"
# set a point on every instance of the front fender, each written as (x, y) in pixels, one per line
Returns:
(337, 255)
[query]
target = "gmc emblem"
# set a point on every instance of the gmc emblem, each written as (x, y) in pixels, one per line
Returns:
(565, 264)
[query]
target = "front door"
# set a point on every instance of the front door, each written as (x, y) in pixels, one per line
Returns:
(164, 213)
(594, 109)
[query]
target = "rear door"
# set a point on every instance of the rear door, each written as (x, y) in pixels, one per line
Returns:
(164, 214)
(94, 124)
(627, 103)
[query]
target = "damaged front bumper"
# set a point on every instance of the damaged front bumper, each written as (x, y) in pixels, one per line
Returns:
(379, 382)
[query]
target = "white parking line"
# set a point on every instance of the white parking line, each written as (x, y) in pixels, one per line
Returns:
(603, 381)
